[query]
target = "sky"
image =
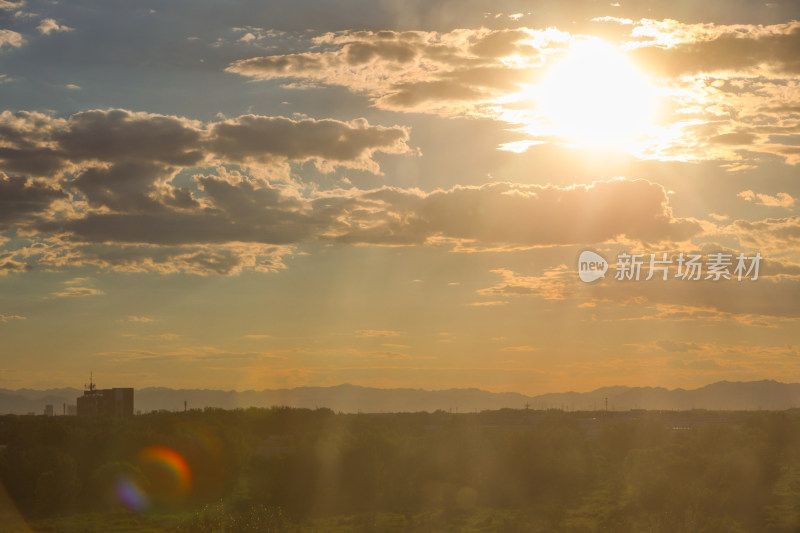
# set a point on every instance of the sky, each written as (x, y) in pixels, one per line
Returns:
(250, 195)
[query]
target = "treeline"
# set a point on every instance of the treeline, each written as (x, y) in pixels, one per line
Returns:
(557, 471)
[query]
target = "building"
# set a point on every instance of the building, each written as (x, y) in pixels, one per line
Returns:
(111, 403)
(49, 410)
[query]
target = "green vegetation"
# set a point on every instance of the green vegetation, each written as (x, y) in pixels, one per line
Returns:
(301, 470)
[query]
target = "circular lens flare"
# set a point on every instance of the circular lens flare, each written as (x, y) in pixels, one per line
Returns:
(168, 471)
(131, 495)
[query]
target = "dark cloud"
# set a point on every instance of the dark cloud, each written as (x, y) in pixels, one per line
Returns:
(236, 211)
(415, 93)
(360, 53)
(9, 264)
(221, 260)
(137, 145)
(732, 49)
(170, 228)
(733, 138)
(121, 187)
(472, 84)
(522, 215)
(25, 146)
(115, 171)
(20, 198)
(502, 44)
(119, 136)
(266, 139)
(772, 233)
(34, 161)
(281, 65)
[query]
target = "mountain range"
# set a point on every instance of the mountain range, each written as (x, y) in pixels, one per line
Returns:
(723, 395)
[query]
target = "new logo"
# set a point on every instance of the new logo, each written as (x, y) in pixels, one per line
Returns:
(591, 266)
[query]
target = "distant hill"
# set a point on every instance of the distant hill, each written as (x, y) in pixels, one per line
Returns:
(724, 395)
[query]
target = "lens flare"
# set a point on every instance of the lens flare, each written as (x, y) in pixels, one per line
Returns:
(168, 471)
(131, 495)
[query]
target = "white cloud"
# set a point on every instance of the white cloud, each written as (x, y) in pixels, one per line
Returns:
(781, 199)
(10, 38)
(48, 26)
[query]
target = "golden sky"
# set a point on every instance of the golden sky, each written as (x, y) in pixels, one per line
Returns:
(396, 194)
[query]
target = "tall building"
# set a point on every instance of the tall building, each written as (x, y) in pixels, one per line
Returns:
(49, 410)
(112, 403)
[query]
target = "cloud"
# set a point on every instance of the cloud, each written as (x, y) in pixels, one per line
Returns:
(21, 198)
(127, 187)
(9, 264)
(766, 302)
(118, 136)
(489, 303)
(330, 143)
(48, 26)
(551, 285)
(674, 346)
(7, 5)
(514, 214)
(378, 333)
(105, 195)
(220, 259)
(9, 318)
(110, 198)
(672, 48)
(770, 233)
(423, 71)
(236, 212)
(482, 72)
(139, 319)
(413, 94)
(11, 39)
(729, 81)
(116, 206)
(77, 292)
(519, 349)
(705, 314)
(781, 199)
(40, 145)
(240, 222)
(719, 79)
(733, 138)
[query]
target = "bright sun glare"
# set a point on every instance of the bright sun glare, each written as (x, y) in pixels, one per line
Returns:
(595, 95)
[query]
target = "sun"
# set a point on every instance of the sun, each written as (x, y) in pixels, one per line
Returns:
(595, 95)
